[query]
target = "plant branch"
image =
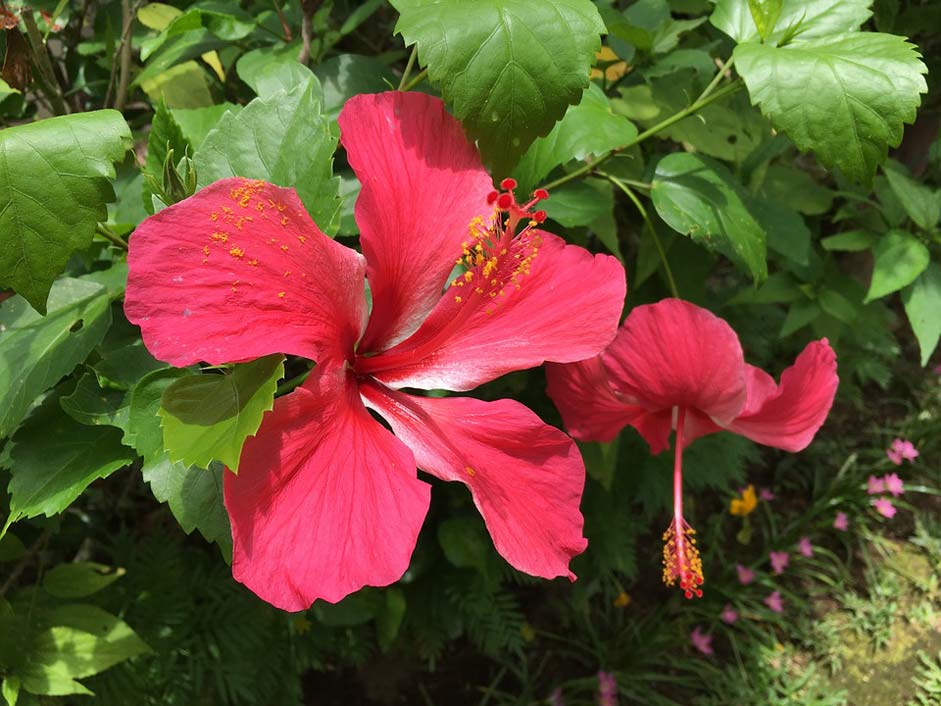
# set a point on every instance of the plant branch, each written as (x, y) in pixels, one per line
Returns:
(46, 75)
(726, 65)
(653, 232)
(646, 134)
(24, 561)
(419, 77)
(307, 29)
(108, 234)
(408, 66)
(288, 35)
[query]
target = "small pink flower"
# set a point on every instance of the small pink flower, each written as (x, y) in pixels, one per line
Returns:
(885, 507)
(766, 494)
(893, 484)
(841, 522)
(728, 614)
(805, 547)
(874, 485)
(607, 689)
(701, 641)
(779, 562)
(745, 575)
(937, 370)
(774, 602)
(901, 449)
(555, 698)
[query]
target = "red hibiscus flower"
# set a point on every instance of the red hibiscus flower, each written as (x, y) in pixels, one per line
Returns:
(327, 500)
(674, 365)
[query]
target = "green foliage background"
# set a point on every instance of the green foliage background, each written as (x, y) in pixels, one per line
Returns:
(776, 161)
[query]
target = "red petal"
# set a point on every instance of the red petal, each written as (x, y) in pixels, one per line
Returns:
(788, 415)
(590, 408)
(422, 183)
(565, 310)
(239, 271)
(675, 354)
(526, 477)
(326, 500)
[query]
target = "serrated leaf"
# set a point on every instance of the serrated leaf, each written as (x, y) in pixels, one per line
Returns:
(589, 128)
(79, 579)
(509, 68)
(207, 418)
(262, 142)
(270, 70)
(143, 425)
(194, 496)
(812, 18)
(165, 135)
(35, 351)
(899, 258)
(197, 123)
(54, 184)
(54, 458)
(699, 197)
(921, 203)
(922, 302)
(844, 97)
(93, 405)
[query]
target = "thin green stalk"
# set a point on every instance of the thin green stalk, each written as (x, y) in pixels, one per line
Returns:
(292, 384)
(108, 234)
(653, 232)
(408, 66)
(646, 134)
(419, 77)
(716, 79)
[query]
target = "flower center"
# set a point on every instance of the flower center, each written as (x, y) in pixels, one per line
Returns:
(681, 561)
(496, 257)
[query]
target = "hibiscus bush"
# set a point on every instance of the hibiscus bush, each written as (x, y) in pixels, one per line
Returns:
(469, 352)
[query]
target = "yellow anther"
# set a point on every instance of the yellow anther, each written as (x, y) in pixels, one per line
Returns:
(287, 274)
(206, 250)
(220, 237)
(253, 262)
(284, 248)
(237, 252)
(468, 276)
(470, 471)
(458, 300)
(281, 294)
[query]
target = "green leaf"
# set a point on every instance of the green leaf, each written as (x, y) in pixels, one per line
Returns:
(509, 68)
(389, 619)
(844, 97)
(165, 135)
(79, 579)
(35, 351)
(54, 458)
(184, 85)
(589, 128)
(850, 241)
(347, 75)
(795, 189)
(899, 259)
(465, 545)
(580, 203)
(59, 655)
(699, 197)
(922, 204)
(268, 71)
(922, 302)
(765, 13)
(787, 234)
(53, 189)
(262, 142)
(197, 123)
(194, 496)
(800, 314)
(837, 306)
(143, 426)
(10, 690)
(812, 18)
(208, 417)
(93, 405)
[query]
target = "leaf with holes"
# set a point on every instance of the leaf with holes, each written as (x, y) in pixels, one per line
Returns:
(208, 417)
(700, 197)
(284, 139)
(54, 184)
(843, 97)
(509, 68)
(36, 352)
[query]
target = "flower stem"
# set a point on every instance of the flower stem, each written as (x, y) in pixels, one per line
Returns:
(653, 232)
(716, 79)
(408, 66)
(698, 105)
(678, 469)
(108, 234)
(419, 77)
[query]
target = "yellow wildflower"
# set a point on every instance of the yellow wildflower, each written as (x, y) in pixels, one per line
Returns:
(745, 504)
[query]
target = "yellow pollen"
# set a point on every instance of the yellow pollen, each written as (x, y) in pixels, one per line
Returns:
(284, 220)
(458, 300)
(470, 471)
(253, 262)
(213, 216)
(237, 252)
(301, 239)
(284, 248)
(468, 276)
(220, 237)
(681, 561)
(287, 274)
(281, 294)
(206, 250)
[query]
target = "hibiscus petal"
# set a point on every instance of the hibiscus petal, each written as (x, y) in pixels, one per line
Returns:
(238, 271)
(422, 184)
(676, 354)
(590, 408)
(566, 309)
(788, 415)
(326, 500)
(526, 477)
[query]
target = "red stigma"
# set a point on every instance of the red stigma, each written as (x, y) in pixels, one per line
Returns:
(540, 194)
(504, 201)
(508, 184)
(492, 197)
(540, 216)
